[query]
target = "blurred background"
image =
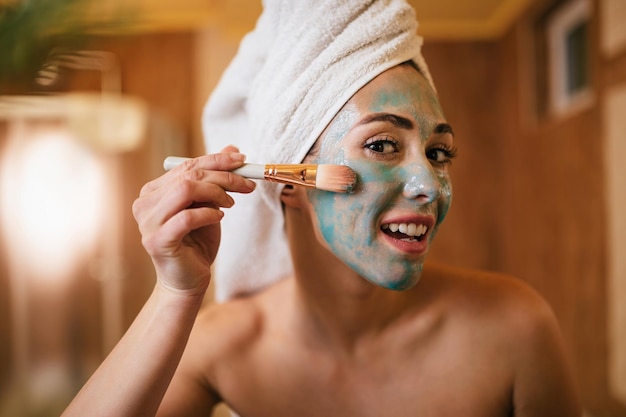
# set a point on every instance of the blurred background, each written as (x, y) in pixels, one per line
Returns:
(94, 94)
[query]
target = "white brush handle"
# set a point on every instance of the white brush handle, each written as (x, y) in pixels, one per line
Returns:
(253, 171)
(172, 162)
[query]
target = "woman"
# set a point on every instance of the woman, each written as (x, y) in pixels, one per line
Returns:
(361, 325)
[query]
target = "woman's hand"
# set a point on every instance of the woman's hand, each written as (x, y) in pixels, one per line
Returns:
(179, 217)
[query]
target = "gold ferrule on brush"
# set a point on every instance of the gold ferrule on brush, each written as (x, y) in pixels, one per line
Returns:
(299, 174)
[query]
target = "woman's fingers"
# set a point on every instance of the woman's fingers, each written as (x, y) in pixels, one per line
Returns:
(200, 182)
(192, 190)
(180, 225)
(185, 193)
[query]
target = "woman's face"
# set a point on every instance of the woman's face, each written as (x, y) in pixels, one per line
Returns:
(392, 133)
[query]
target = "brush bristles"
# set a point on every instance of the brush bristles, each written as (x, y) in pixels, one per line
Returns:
(335, 178)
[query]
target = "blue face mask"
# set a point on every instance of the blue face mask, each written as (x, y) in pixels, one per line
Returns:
(393, 135)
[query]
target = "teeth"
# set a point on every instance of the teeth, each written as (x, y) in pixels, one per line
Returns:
(409, 229)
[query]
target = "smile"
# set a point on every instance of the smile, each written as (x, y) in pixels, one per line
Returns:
(405, 231)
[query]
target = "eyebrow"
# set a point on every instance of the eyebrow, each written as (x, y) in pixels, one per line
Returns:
(397, 121)
(403, 122)
(443, 128)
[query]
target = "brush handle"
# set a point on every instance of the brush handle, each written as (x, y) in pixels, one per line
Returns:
(252, 171)
(172, 162)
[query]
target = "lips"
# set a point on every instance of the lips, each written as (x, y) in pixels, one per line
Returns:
(408, 234)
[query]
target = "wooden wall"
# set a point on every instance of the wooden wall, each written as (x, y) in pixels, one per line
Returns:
(157, 68)
(529, 192)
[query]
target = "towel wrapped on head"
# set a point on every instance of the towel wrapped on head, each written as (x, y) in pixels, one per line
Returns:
(290, 77)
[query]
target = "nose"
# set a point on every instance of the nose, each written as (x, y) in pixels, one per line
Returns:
(421, 184)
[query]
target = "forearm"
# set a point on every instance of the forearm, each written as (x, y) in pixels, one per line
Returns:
(178, 215)
(136, 374)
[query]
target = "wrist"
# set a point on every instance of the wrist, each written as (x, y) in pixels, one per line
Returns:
(184, 282)
(165, 291)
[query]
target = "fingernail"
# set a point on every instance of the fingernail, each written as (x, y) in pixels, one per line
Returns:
(237, 157)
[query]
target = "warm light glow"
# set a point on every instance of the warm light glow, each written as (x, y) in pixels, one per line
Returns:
(52, 199)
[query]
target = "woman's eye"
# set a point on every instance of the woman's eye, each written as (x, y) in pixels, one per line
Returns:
(382, 146)
(442, 155)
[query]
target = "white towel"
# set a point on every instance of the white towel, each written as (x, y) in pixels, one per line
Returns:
(291, 75)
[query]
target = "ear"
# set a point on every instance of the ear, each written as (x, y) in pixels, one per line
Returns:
(294, 196)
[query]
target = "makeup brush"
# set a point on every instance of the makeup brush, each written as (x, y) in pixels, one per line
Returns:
(335, 178)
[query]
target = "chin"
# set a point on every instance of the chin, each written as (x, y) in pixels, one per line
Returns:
(396, 274)
(400, 282)
(401, 285)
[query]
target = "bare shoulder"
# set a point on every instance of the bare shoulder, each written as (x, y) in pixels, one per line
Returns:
(502, 308)
(225, 329)
(502, 314)
(490, 294)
